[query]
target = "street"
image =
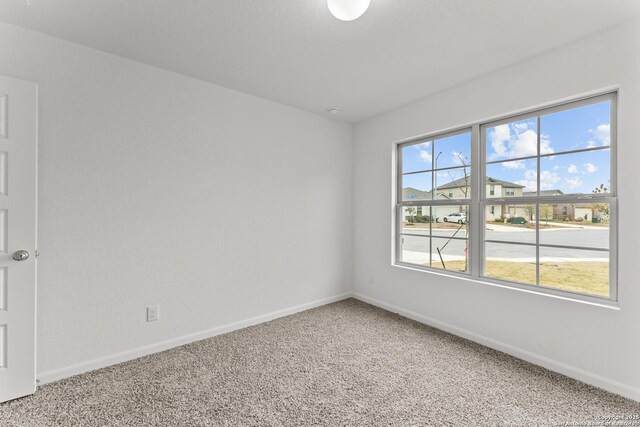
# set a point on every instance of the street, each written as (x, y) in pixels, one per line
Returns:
(416, 249)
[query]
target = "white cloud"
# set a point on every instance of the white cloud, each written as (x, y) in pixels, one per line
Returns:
(545, 145)
(458, 158)
(515, 164)
(590, 168)
(603, 133)
(524, 144)
(572, 169)
(514, 141)
(424, 151)
(548, 180)
(521, 126)
(573, 182)
(425, 156)
(499, 136)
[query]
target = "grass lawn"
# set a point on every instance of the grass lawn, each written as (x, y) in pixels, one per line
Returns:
(584, 277)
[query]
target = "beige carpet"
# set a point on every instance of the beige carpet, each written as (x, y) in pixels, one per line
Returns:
(343, 364)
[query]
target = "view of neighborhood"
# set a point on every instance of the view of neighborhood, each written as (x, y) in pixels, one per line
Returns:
(560, 241)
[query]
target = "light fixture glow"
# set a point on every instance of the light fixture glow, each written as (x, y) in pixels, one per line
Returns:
(348, 10)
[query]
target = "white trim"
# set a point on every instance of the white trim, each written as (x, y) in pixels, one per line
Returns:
(553, 365)
(102, 362)
(559, 367)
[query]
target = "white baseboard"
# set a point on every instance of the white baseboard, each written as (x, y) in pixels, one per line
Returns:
(102, 362)
(562, 368)
(559, 367)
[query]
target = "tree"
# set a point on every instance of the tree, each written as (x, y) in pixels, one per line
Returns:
(410, 211)
(602, 208)
(546, 211)
(529, 209)
(465, 187)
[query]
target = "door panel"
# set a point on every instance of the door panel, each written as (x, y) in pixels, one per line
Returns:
(18, 142)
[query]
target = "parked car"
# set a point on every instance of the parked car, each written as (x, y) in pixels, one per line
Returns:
(458, 217)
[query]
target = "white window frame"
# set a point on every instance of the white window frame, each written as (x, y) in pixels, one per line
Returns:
(479, 200)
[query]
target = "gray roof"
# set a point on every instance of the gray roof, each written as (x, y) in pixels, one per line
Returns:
(462, 182)
(544, 193)
(409, 193)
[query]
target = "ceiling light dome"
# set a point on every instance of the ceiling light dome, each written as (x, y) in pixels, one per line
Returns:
(348, 10)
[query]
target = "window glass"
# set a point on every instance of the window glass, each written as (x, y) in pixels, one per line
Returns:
(453, 184)
(583, 225)
(416, 157)
(578, 128)
(452, 151)
(516, 178)
(582, 271)
(513, 140)
(545, 204)
(415, 250)
(577, 173)
(515, 223)
(514, 263)
(450, 254)
(416, 186)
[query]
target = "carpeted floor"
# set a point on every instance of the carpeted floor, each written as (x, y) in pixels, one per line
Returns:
(343, 364)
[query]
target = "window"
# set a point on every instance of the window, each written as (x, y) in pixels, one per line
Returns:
(557, 231)
(438, 172)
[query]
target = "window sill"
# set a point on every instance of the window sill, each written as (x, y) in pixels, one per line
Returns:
(545, 292)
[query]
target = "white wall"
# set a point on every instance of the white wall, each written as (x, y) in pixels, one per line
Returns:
(599, 345)
(156, 188)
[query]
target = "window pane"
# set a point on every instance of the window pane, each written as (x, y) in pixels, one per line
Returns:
(449, 219)
(578, 173)
(415, 250)
(452, 151)
(453, 184)
(512, 179)
(575, 224)
(450, 254)
(513, 140)
(578, 128)
(586, 272)
(511, 223)
(515, 263)
(416, 186)
(415, 219)
(416, 157)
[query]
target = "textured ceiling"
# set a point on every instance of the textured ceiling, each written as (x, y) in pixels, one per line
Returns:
(296, 53)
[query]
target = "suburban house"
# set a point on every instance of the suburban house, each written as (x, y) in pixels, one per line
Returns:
(459, 189)
(564, 211)
(497, 189)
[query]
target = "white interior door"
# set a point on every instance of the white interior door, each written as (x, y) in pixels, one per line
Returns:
(18, 145)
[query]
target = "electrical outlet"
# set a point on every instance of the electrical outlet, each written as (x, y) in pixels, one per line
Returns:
(153, 313)
(371, 279)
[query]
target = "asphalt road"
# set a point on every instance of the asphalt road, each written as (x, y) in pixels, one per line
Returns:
(587, 238)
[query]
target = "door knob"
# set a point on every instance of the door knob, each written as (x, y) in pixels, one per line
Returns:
(21, 255)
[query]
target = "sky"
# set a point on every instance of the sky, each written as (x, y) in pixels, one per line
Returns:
(575, 129)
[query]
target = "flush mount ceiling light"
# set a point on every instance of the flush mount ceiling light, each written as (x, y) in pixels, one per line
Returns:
(348, 10)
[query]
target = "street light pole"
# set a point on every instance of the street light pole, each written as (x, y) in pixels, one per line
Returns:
(435, 178)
